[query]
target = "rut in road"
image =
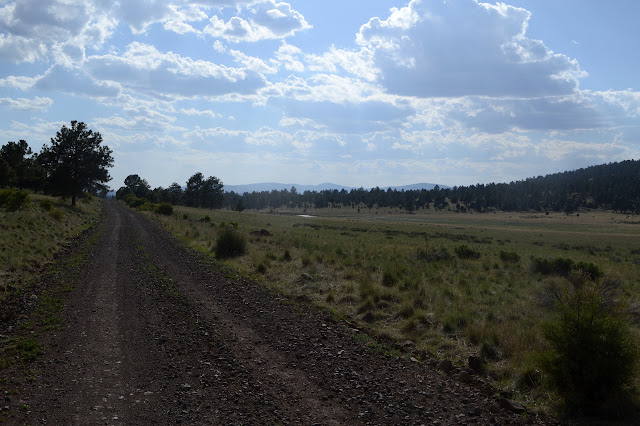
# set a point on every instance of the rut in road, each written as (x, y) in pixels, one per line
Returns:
(155, 334)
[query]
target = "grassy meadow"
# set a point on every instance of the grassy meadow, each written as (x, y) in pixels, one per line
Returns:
(441, 284)
(33, 235)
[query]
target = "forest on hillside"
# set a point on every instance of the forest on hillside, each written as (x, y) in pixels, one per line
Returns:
(613, 186)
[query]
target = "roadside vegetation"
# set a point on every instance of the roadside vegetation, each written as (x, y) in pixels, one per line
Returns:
(35, 229)
(447, 286)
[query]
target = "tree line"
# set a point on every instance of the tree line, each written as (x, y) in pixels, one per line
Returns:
(73, 163)
(613, 186)
(198, 192)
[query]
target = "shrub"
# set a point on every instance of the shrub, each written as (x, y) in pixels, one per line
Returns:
(388, 278)
(509, 256)
(594, 355)
(589, 269)
(55, 214)
(466, 252)
(559, 266)
(146, 205)
(46, 205)
(13, 199)
(164, 209)
(287, 256)
(564, 267)
(206, 219)
(433, 255)
(230, 243)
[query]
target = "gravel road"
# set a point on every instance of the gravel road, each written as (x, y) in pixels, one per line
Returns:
(154, 333)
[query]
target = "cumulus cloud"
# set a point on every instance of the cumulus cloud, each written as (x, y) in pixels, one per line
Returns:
(252, 63)
(268, 136)
(299, 122)
(153, 122)
(139, 14)
(266, 20)
(346, 117)
(21, 104)
(464, 48)
(198, 112)
(500, 115)
(341, 104)
(144, 69)
(75, 81)
(32, 29)
(18, 82)
(289, 55)
(358, 63)
(278, 18)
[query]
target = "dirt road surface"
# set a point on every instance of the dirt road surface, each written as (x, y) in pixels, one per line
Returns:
(154, 333)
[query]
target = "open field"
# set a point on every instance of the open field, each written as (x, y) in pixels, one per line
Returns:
(440, 284)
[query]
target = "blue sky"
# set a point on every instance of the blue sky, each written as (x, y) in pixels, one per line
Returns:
(368, 94)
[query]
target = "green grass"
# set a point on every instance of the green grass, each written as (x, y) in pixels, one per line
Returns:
(33, 237)
(454, 284)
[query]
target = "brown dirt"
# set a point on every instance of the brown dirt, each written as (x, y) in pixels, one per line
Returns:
(154, 333)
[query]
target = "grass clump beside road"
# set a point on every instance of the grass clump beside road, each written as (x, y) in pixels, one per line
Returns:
(453, 285)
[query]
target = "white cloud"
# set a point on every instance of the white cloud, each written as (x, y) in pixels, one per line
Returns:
(343, 105)
(205, 113)
(144, 69)
(18, 82)
(289, 55)
(461, 48)
(21, 104)
(214, 133)
(267, 20)
(34, 29)
(139, 14)
(219, 47)
(500, 115)
(268, 136)
(157, 123)
(597, 152)
(299, 122)
(21, 49)
(252, 63)
(75, 81)
(358, 63)
(278, 18)
(628, 100)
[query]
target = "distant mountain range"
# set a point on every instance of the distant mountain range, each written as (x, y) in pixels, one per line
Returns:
(270, 186)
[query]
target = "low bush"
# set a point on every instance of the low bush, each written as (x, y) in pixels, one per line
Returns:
(164, 209)
(564, 267)
(132, 201)
(509, 256)
(559, 266)
(594, 355)
(433, 255)
(287, 256)
(46, 205)
(589, 269)
(466, 252)
(13, 199)
(55, 214)
(230, 243)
